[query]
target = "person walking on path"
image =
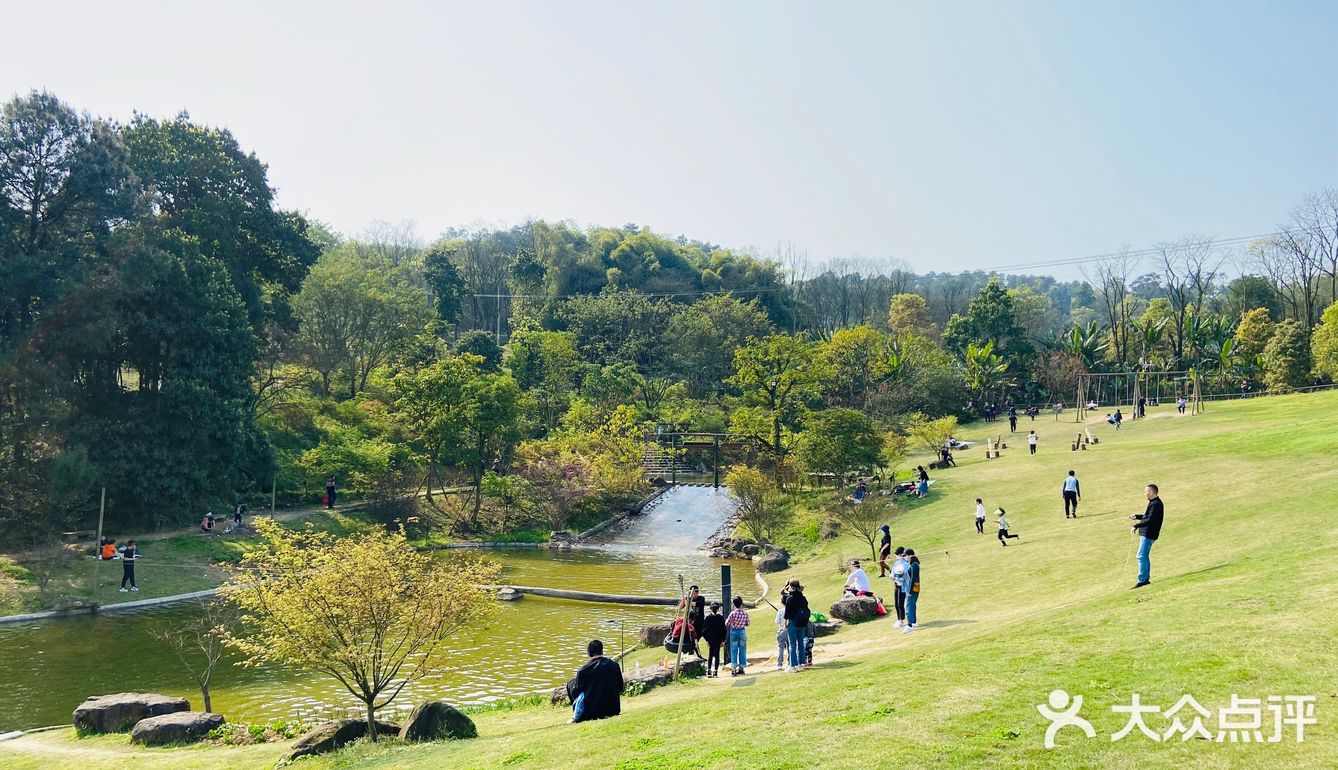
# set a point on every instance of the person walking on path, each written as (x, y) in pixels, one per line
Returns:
(884, 550)
(737, 623)
(899, 568)
(715, 633)
(128, 558)
(1031, 441)
(237, 516)
(1149, 529)
(1004, 537)
(980, 516)
(1072, 494)
(911, 584)
(329, 491)
(796, 621)
(1012, 419)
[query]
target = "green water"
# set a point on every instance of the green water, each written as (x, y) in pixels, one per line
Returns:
(534, 644)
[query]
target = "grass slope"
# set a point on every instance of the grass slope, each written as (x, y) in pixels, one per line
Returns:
(1242, 601)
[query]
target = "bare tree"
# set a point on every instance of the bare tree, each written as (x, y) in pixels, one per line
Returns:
(1289, 260)
(385, 243)
(1112, 275)
(1189, 268)
(1316, 220)
(198, 643)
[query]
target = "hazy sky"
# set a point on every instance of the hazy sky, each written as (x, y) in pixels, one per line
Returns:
(952, 135)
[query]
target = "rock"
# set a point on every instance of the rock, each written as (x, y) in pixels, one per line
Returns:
(72, 605)
(179, 727)
(751, 549)
(437, 721)
(771, 561)
(827, 627)
(719, 553)
(855, 608)
(828, 529)
(508, 594)
(560, 539)
(121, 711)
(335, 734)
(653, 635)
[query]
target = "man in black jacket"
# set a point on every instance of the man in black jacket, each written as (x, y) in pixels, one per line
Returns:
(1149, 527)
(596, 690)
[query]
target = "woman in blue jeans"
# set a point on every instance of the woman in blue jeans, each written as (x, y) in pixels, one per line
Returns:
(737, 622)
(911, 586)
(796, 621)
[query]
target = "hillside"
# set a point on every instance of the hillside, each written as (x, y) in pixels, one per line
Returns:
(1243, 601)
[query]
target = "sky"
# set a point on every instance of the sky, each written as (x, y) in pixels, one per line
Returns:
(950, 136)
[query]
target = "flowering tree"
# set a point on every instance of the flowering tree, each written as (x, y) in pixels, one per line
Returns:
(367, 610)
(558, 478)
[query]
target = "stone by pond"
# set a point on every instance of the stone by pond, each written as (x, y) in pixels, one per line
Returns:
(336, 734)
(179, 727)
(121, 711)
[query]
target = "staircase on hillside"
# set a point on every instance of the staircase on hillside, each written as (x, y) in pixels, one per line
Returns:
(657, 462)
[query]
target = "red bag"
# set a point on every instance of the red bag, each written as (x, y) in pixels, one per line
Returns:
(881, 609)
(325, 500)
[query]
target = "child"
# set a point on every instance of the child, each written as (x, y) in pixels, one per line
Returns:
(980, 517)
(108, 549)
(128, 558)
(207, 523)
(899, 568)
(1004, 537)
(1031, 441)
(737, 622)
(713, 631)
(782, 640)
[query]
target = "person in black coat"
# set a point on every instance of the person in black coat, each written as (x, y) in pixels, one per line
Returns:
(596, 691)
(714, 632)
(796, 622)
(1149, 528)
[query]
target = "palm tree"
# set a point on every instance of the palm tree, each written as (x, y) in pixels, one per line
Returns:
(986, 370)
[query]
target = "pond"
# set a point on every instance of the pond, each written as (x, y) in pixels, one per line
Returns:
(532, 645)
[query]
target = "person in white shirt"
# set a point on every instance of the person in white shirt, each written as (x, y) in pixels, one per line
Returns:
(1004, 537)
(1031, 441)
(858, 582)
(980, 517)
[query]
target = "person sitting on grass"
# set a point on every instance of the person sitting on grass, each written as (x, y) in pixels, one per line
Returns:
(922, 488)
(857, 584)
(596, 690)
(207, 523)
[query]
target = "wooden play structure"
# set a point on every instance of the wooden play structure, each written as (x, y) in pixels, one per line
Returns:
(1115, 390)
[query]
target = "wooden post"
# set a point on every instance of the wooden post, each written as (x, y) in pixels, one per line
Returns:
(683, 627)
(97, 555)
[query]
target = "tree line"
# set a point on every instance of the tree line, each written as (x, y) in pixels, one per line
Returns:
(170, 333)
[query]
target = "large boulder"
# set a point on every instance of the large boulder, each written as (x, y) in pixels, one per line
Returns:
(773, 560)
(750, 549)
(855, 609)
(653, 634)
(121, 711)
(827, 627)
(437, 721)
(178, 727)
(336, 734)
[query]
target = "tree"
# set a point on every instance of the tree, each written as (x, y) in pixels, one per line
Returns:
(986, 371)
(558, 479)
(1058, 371)
(482, 344)
(354, 318)
(1287, 357)
(775, 376)
(1248, 292)
(546, 365)
(864, 519)
(909, 314)
(762, 507)
(839, 441)
(448, 289)
(1253, 333)
(989, 318)
(704, 335)
(1111, 286)
(1189, 269)
(1324, 344)
(933, 435)
(365, 609)
(618, 326)
(491, 405)
(199, 643)
(854, 362)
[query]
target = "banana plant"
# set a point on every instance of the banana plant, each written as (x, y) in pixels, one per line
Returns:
(986, 371)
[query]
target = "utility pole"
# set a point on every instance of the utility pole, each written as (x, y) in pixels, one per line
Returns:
(97, 555)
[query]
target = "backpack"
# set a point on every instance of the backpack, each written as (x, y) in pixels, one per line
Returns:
(801, 619)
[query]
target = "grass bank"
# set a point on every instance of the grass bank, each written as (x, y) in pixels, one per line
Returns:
(1242, 602)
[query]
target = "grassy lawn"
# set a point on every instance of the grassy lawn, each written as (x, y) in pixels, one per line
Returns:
(1244, 600)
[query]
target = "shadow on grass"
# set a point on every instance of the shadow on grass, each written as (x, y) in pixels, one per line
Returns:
(943, 623)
